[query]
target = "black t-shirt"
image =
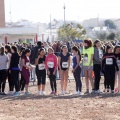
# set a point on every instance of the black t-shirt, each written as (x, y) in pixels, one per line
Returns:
(40, 61)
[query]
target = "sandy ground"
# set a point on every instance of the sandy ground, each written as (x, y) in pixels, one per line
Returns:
(85, 107)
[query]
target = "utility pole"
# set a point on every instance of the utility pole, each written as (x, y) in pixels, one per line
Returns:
(50, 26)
(64, 7)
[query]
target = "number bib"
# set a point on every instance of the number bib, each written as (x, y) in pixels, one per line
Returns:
(109, 61)
(118, 62)
(85, 59)
(64, 64)
(27, 63)
(41, 66)
(50, 64)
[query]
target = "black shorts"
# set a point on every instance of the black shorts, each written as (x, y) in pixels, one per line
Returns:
(3, 75)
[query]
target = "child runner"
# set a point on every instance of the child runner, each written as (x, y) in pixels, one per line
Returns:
(64, 64)
(41, 71)
(77, 69)
(109, 66)
(51, 66)
(26, 69)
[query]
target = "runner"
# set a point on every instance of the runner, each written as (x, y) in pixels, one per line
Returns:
(64, 64)
(98, 54)
(26, 69)
(117, 74)
(14, 70)
(88, 52)
(109, 66)
(51, 66)
(41, 71)
(3, 70)
(9, 54)
(77, 70)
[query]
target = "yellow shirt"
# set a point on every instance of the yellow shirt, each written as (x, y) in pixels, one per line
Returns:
(87, 56)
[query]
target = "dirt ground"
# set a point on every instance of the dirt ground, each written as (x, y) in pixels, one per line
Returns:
(84, 107)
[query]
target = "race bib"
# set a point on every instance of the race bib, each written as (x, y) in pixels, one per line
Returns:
(41, 66)
(50, 64)
(85, 59)
(109, 61)
(27, 63)
(118, 62)
(64, 64)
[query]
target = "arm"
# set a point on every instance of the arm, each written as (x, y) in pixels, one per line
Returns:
(68, 62)
(59, 60)
(56, 65)
(96, 56)
(78, 62)
(91, 60)
(36, 60)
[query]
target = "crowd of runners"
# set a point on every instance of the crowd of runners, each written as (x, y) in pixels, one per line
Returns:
(93, 58)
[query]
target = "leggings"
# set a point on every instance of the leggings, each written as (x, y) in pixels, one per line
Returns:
(41, 76)
(78, 79)
(15, 80)
(110, 77)
(97, 69)
(9, 81)
(52, 80)
(3, 75)
(22, 83)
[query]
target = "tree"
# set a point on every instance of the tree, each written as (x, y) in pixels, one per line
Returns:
(71, 32)
(111, 36)
(110, 24)
(101, 35)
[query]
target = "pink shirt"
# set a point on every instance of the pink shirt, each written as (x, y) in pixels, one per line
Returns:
(52, 59)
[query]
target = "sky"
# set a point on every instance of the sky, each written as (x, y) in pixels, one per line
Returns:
(78, 10)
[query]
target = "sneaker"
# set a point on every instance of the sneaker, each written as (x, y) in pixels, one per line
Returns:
(112, 91)
(93, 92)
(27, 93)
(22, 92)
(79, 92)
(2, 93)
(87, 92)
(16, 94)
(76, 93)
(38, 92)
(52, 93)
(116, 89)
(66, 92)
(97, 92)
(10, 92)
(43, 93)
(104, 90)
(62, 93)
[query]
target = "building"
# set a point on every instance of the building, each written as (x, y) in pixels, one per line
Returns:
(2, 14)
(22, 35)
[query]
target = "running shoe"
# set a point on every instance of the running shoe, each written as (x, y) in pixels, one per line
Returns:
(16, 94)
(76, 93)
(93, 92)
(52, 93)
(112, 91)
(87, 92)
(97, 92)
(43, 93)
(116, 89)
(62, 93)
(38, 92)
(66, 92)
(2, 93)
(27, 93)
